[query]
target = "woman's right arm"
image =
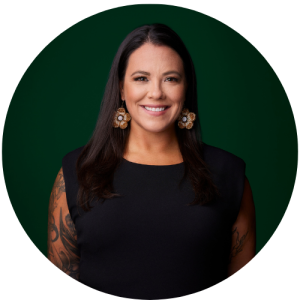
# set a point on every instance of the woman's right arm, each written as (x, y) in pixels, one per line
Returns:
(62, 237)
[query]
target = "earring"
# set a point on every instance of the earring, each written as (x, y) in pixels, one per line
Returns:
(186, 119)
(121, 118)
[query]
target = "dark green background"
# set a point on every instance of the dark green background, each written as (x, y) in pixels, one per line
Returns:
(243, 109)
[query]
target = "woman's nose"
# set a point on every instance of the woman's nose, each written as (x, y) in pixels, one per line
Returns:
(155, 90)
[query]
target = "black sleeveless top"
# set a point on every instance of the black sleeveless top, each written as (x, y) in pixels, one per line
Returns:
(148, 244)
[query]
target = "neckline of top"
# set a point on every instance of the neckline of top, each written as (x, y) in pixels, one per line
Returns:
(137, 164)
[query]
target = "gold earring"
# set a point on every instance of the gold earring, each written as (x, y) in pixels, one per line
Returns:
(186, 119)
(121, 118)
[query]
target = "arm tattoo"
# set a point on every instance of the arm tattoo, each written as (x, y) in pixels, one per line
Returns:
(57, 190)
(239, 242)
(65, 257)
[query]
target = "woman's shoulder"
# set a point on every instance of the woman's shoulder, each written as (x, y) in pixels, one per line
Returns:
(219, 158)
(72, 155)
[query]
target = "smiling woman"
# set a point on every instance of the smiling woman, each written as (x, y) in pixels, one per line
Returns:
(146, 210)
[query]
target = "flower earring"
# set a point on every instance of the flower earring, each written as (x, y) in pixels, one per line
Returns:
(121, 118)
(186, 119)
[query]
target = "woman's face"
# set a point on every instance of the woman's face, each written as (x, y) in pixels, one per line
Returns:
(154, 87)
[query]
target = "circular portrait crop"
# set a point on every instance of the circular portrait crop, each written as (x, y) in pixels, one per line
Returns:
(160, 144)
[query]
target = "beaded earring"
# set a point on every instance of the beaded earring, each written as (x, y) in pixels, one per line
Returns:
(186, 119)
(121, 118)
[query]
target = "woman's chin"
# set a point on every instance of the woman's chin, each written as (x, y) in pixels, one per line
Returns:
(157, 128)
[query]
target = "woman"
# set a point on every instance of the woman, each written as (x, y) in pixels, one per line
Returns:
(176, 216)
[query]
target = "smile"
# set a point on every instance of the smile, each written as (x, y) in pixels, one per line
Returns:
(155, 110)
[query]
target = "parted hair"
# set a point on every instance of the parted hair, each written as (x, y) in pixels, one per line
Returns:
(103, 153)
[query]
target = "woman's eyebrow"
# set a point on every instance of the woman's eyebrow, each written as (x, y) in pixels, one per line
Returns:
(147, 73)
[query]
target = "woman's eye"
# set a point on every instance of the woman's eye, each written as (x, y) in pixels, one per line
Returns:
(171, 79)
(140, 79)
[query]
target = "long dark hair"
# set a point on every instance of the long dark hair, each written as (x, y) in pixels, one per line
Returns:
(104, 152)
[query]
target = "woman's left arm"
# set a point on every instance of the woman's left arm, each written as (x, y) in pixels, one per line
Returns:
(243, 233)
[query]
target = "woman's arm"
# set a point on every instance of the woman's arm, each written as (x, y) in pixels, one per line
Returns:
(62, 237)
(243, 233)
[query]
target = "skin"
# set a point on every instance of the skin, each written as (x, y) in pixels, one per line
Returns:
(152, 139)
(243, 233)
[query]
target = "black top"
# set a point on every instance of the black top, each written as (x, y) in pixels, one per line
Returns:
(148, 244)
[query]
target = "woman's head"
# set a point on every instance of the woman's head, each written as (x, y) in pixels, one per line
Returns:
(161, 41)
(155, 69)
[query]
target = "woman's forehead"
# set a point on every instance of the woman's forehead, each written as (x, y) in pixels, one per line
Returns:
(155, 58)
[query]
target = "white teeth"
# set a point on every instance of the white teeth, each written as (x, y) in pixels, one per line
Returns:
(155, 109)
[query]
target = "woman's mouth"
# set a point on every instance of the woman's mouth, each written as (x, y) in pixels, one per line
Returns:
(155, 110)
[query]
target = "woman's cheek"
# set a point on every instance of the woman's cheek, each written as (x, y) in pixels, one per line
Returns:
(136, 94)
